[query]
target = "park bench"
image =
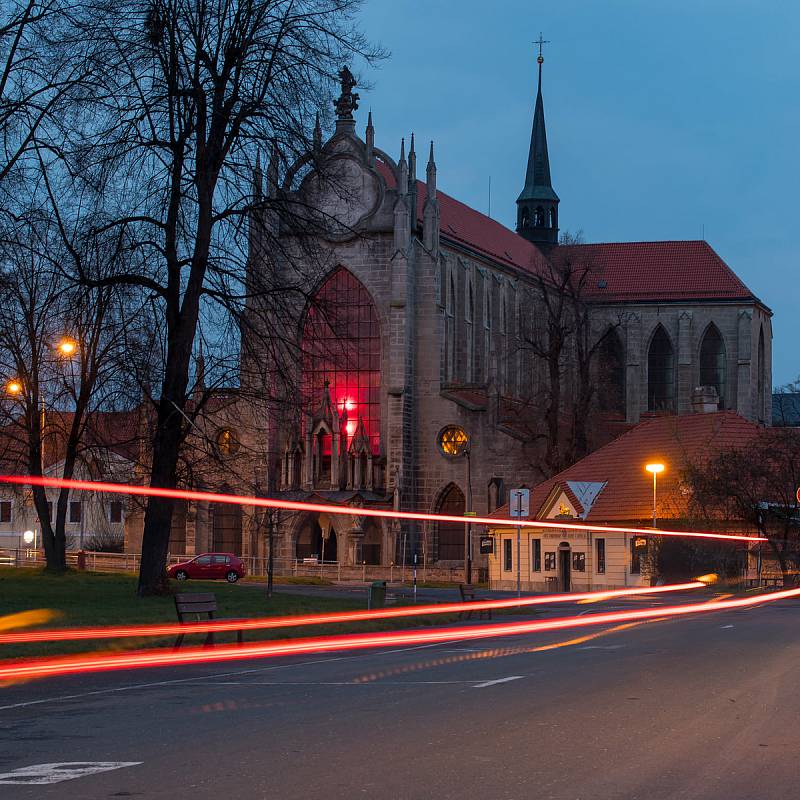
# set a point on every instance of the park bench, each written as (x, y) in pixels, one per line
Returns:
(198, 607)
(468, 596)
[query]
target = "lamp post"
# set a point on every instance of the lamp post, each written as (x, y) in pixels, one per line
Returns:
(66, 347)
(655, 469)
(454, 442)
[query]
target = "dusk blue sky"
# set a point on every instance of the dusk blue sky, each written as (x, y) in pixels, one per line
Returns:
(664, 119)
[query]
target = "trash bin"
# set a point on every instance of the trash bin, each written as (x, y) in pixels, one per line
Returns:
(377, 594)
(81, 559)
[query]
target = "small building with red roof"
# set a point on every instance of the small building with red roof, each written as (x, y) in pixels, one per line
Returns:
(612, 487)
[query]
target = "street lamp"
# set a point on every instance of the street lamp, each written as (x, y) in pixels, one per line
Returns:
(454, 442)
(14, 387)
(655, 469)
(67, 346)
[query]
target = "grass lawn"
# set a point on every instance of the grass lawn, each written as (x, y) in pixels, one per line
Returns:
(95, 599)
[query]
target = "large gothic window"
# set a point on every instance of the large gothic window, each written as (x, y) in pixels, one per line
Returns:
(611, 374)
(762, 376)
(502, 365)
(450, 333)
(450, 535)
(487, 327)
(342, 346)
(470, 344)
(712, 362)
(660, 372)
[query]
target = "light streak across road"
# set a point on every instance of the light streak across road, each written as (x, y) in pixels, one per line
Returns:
(328, 508)
(103, 662)
(220, 626)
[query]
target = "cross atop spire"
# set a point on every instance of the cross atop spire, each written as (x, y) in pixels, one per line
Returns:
(541, 42)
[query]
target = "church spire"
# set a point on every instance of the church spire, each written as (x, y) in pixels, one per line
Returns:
(537, 205)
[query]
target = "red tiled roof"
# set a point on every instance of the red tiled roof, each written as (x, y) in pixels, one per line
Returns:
(117, 431)
(632, 271)
(674, 441)
(657, 270)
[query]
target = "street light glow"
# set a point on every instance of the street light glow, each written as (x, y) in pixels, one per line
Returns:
(14, 387)
(67, 347)
(655, 468)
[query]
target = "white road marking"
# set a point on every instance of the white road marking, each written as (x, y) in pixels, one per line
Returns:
(726, 626)
(174, 681)
(602, 647)
(498, 680)
(60, 771)
(333, 683)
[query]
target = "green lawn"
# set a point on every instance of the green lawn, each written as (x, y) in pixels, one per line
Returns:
(93, 599)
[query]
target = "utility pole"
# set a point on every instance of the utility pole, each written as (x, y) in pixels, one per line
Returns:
(270, 560)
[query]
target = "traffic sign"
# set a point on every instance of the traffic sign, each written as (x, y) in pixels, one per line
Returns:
(519, 502)
(797, 494)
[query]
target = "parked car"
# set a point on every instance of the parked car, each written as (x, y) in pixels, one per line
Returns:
(209, 566)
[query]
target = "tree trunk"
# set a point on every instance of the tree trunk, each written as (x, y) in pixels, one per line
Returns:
(158, 514)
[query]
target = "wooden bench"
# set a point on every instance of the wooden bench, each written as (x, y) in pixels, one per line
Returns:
(468, 596)
(202, 606)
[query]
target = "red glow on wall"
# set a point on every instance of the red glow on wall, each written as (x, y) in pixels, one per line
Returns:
(327, 508)
(69, 665)
(342, 345)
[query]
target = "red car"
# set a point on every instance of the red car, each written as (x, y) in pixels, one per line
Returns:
(209, 566)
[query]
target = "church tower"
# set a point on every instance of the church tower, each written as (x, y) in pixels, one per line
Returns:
(537, 205)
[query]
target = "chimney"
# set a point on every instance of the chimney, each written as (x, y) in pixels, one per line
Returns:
(705, 400)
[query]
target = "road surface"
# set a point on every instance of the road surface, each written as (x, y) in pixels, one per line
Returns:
(705, 707)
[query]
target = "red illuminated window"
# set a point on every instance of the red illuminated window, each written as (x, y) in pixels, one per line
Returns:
(342, 345)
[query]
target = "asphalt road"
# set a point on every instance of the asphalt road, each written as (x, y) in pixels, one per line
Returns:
(705, 707)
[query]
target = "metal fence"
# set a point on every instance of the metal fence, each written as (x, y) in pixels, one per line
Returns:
(332, 571)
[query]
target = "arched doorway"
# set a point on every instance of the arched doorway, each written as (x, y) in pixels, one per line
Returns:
(226, 527)
(310, 542)
(371, 545)
(565, 567)
(450, 535)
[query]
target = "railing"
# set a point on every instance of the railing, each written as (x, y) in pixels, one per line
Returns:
(330, 571)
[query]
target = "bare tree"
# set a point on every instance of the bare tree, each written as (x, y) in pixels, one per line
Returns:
(559, 331)
(60, 353)
(757, 485)
(188, 95)
(38, 77)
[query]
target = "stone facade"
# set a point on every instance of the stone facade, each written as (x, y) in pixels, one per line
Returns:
(451, 313)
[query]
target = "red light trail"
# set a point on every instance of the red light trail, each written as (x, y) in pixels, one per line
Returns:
(326, 508)
(68, 665)
(175, 628)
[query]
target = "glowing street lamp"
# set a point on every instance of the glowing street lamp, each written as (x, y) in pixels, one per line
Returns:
(14, 387)
(67, 347)
(655, 469)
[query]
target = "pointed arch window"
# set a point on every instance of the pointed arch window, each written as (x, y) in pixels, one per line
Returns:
(342, 345)
(450, 329)
(611, 374)
(470, 343)
(762, 376)
(502, 365)
(487, 326)
(660, 372)
(712, 362)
